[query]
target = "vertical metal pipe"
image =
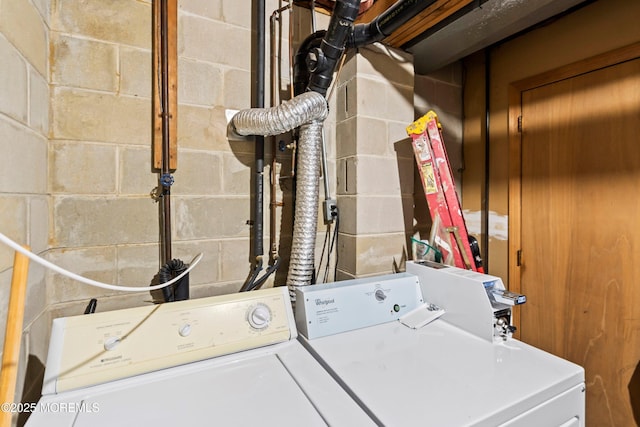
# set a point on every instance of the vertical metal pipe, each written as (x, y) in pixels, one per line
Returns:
(258, 223)
(165, 183)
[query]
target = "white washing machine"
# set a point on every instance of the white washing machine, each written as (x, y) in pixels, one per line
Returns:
(445, 358)
(226, 361)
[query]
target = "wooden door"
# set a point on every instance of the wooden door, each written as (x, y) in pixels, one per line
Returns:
(580, 231)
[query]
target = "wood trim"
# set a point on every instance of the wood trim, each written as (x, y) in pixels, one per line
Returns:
(428, 18)
(626, 53)
(623, 54)
(172, 6)
(514, 195)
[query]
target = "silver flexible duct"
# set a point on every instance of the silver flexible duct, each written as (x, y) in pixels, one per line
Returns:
(307, 111)
(280, 119)
(306, 211)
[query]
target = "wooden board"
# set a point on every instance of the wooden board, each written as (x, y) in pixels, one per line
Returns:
(579, 230)
(172, 6)
(429, 17)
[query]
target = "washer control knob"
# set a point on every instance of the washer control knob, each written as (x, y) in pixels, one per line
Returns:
(259, 316)
(184, 330)
(380, 295)
(111, 343)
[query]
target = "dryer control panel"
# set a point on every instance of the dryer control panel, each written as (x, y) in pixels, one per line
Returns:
(337, 307)
(92, 349)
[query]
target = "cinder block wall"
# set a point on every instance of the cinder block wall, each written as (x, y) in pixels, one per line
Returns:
(24, 127)
(374, 161)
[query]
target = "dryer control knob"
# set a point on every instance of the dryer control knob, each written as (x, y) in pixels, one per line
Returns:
(111, 343)
(184, 330)
(380, 295)
(259, 316)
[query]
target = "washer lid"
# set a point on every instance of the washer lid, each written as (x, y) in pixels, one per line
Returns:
(278, 385)
(442, 374)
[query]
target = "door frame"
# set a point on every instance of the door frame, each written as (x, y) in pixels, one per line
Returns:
(515, 89)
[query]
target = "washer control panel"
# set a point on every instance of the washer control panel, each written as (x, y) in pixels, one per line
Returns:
(92, 349)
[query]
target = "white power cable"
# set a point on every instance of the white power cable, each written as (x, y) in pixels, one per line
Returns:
(7, 241)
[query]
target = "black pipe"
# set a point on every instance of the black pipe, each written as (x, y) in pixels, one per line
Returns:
(322, 61)
(259, 153)
(387, 22)
(301, 73)
(165, 179)
(258, 180)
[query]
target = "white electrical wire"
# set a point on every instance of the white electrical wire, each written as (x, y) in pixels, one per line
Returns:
(7, 241)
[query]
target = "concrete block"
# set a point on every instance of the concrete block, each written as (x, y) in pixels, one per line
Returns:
(201, 127)
(208, 269)
(448, 97)
(84, 168)
(93, 116)
(135, 72)
(232, 14)
(200, 39)
(376, 254)
(23, 164)
(14, 83)
(386, 64)
(38, 103)
(136, 265)
(22, 25)
(370, 100)
(105, 20)
(44, 9)
(373, 137)
(237, 89)
(199, 173)
(13, 211)
(211, 217)
(97, 263)
(451, 73)
(87, 221)
(374, 215)
(36, 299)
(82, 63)
(235, 260)
(211, 9)
(134, 170)
(35, 302)
(214, 289)
(346, 178)
(398, 139)
(237, 174)
(424, 93)
(39, 223)
(381, 176)
(199, 83)
(347, 138)
(399, 104)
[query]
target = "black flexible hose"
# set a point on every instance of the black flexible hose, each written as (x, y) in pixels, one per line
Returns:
(179, 291)
(270, 270)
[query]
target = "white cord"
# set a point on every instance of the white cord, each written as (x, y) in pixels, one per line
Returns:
(7, 241)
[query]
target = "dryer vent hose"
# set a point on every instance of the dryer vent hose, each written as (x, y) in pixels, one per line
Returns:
(307, 111)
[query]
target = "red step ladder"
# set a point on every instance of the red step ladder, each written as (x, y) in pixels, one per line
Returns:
(452, 238)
